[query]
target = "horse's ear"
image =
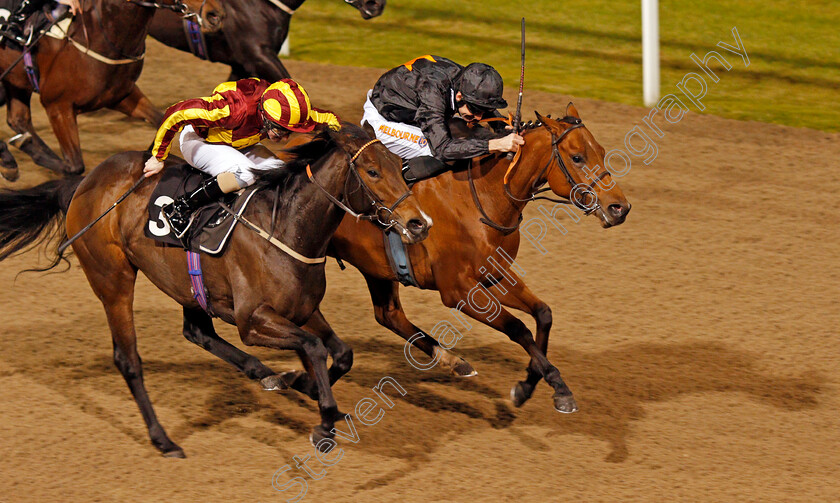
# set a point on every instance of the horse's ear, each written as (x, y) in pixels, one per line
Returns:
(540, 117)
(369, 129)
(571, 111)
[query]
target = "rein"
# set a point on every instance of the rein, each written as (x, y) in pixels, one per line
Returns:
(536, 189)
(382, 213)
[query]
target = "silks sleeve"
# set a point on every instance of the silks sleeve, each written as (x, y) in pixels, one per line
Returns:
(207, 112)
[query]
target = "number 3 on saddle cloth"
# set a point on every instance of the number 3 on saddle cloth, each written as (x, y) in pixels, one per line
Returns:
(212, 225)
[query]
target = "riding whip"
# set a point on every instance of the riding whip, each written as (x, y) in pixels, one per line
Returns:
(517, 119)
(67, 243)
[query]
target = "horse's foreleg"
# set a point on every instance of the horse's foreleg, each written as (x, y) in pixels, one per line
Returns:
(112, 279)
(198, 329)
(490, 313)
(389, 313)
(19, 118)
(137, 106)
(63, 121)
(264, 327)
(519, 296)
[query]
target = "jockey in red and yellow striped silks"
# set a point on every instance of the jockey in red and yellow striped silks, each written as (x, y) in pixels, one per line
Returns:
(238, 113)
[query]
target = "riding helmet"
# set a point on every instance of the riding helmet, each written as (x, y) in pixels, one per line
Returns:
(481, 85)
(286, 104)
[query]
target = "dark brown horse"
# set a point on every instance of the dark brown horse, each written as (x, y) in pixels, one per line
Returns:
(251, 36)
(454, 260)
(72, 82)
(271, 297)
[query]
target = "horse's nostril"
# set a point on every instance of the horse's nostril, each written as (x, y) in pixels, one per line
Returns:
(416, 226)
(616, 210)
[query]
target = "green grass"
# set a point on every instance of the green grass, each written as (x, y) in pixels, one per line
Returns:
(593, 48)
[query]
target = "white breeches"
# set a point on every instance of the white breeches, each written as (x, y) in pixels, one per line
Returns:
(214, 158)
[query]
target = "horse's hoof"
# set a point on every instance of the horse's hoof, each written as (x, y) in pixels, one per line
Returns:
(273, 383)
(565, 404)
(10, 174)
(319, 433)
(175, 453)
(463, 369)
(518, 394)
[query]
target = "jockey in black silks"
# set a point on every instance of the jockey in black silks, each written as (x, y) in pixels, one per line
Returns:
(410, 106)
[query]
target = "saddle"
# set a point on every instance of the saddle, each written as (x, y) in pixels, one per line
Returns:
(212, 225)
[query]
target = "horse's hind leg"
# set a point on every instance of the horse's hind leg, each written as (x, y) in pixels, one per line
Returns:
(112, 279)
(19, 118)
(198, 329)
(389, 313)
(137, 106)
(8, 165)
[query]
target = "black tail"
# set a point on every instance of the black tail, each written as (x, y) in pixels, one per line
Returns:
(30, 217)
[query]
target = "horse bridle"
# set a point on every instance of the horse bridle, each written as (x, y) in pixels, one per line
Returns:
(179, 6)
(381, 213)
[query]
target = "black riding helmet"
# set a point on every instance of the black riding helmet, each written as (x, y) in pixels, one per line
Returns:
(481, 86)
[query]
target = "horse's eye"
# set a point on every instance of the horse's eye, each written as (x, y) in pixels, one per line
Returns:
(373, 173)
(577, 158)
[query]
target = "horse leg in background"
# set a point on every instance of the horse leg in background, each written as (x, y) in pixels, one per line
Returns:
(8, 165)
(63, 121)
(264, 327)
(19, 118)
(503, 321)
(112, 278)
(198, 329)
(389, 313)
(520, 297)
(341, 352)
(137, 106)
(260, 63)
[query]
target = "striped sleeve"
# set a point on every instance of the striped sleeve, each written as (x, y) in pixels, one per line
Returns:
(325, 117)
(206, 112)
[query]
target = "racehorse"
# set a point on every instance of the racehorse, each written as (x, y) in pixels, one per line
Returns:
(269, 295)
(73, 80)
(455, 260)
(251, 35)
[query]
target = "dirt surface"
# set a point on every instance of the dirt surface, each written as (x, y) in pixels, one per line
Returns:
(700, 339)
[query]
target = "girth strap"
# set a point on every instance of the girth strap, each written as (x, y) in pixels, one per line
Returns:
(197, 282)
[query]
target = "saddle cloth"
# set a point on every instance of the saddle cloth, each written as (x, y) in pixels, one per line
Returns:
(212, 225)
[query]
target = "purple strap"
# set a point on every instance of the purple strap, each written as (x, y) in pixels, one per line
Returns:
(196, 39)
(197, 282)
(31, 70)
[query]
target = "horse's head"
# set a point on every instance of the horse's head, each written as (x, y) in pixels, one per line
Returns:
(359, 175)
(575, 170)
(368, 8)
(209, 14)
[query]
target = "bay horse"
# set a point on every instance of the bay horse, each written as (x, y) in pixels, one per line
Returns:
(251, 36)
(454, 260)
(269, 295)
(73, 82)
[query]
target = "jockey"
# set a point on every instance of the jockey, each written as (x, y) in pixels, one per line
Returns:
(13, 27)
(410, 106)
(222, 133)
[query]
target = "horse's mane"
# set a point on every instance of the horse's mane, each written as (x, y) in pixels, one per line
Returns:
(307, 154)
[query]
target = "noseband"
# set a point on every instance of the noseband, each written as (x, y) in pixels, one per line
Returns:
(381, 213)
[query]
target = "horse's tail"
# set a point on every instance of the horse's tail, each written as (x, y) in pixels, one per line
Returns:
(33, 216)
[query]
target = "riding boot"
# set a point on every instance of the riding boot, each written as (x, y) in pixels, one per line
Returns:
(422, 167)
(181, 212)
